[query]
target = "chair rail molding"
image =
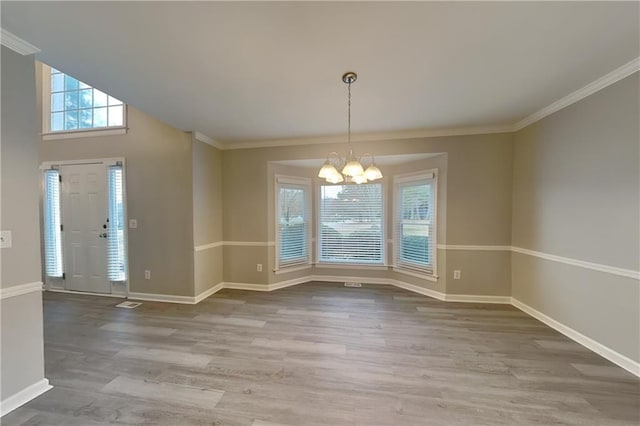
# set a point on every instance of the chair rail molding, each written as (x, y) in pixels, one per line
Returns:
(629, 273)
(20, 289)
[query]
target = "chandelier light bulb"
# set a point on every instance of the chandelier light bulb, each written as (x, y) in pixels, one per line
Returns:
(327, 170)
(373, 173)
(359, 179)
(337, 178)
(353, 168)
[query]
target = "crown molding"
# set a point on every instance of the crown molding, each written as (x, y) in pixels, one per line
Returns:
(591, 88)
(209, 141)
(371, 137)
(17, 44)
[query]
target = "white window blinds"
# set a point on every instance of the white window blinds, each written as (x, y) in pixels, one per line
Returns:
(52, 228)
(415, 223)
(294, 222)
(116, 266)
(351, 224)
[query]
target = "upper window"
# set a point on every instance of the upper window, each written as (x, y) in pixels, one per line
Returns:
(415, 242)
(293, 200)
(71, 105)
(351, 227)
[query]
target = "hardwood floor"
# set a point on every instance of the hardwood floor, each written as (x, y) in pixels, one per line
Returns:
(318, 354)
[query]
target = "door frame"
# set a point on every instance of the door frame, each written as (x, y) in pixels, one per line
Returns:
(46, 165)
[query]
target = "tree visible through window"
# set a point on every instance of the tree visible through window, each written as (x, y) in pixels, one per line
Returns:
(293, 240)
(351, 224)
(415, 213)
(75, 105)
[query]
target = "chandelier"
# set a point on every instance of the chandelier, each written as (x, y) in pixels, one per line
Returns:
(350, 166)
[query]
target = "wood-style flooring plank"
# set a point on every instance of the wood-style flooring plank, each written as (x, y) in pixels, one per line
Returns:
(318, 354)
(167, 393)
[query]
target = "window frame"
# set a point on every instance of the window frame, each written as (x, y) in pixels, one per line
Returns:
(59, 235)
(430, 175)
(48, 134)
(305, 184)
(111, 205)
(350, 264)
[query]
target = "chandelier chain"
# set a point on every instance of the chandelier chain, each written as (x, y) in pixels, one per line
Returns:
(349, 115)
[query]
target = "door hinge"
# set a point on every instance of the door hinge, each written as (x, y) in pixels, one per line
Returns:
(64, 276)
(60, 178)
(61, 227)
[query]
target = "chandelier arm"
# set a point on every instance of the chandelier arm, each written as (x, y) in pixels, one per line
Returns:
(365, 155)
(335, 159)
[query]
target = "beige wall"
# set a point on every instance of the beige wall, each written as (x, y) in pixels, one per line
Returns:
(207, 215)
(476, 206)
(21, 263)
(21, 318)
(576, 195)
(159, 195)
(22, 343)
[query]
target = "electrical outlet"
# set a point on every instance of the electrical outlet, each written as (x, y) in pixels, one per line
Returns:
(457, 274)
(259, 267)
(147, 274)
(133, 223)
(5, 239)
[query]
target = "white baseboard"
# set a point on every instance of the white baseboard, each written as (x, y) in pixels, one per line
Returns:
(473, 298)
(246, 286)
(152, 297)
(288, 283)
(200, 297)
(420, 290)
(470, 298)
(86, 293)
(602, 350)
(343, 278)
(25, 395)
(187, 300)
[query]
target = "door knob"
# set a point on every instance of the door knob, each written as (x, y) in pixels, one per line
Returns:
(103, 235)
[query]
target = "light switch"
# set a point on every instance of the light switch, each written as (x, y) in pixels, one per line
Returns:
(133, 223)
(5, 239)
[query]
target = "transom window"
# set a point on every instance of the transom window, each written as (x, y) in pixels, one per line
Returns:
(351, 227)
(74, 105)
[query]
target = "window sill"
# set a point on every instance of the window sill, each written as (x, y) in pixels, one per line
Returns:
(417, 274)
(293, 268)
(362, 266)
(77, 134)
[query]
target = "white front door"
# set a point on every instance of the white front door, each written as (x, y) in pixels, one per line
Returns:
(84, 222)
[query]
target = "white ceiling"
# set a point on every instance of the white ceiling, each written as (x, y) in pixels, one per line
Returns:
(253, 71)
